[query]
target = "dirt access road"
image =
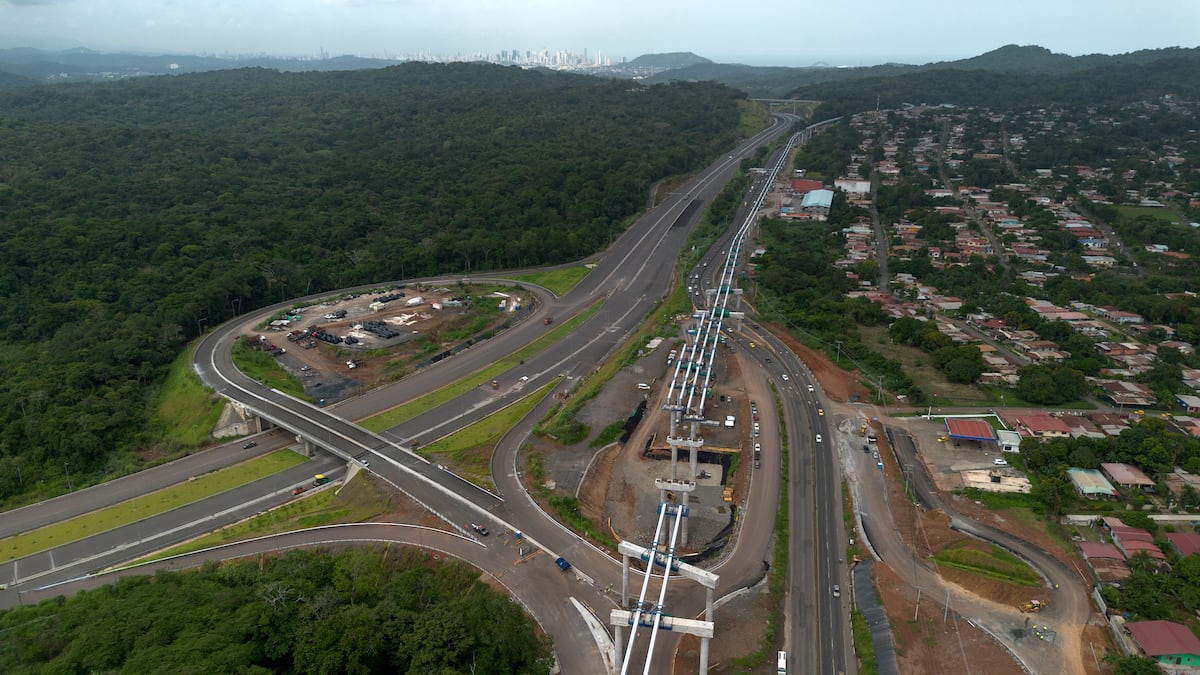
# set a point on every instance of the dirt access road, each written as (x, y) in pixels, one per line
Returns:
(916, 591)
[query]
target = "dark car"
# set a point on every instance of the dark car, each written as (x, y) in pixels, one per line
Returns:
(299, 490)
(562, 564)
(249, 445)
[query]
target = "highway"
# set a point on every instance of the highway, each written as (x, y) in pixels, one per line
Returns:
(630, 278)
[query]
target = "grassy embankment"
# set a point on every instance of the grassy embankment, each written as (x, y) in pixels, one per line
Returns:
(262, 367)
(995, 563)
(468, 451)
(408, 410)
(185, 410)
(147, 505)
(558, 281)
(358, 500)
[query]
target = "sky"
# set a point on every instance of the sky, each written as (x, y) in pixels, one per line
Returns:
(797, 33)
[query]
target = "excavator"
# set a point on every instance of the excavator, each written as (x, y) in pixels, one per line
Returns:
(1032, 606)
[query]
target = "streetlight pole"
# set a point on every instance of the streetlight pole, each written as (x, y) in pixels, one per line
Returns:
(67, 471)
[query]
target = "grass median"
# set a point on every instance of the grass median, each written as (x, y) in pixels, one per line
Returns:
(152, 504)
(406, 411)
(359, 500)
(468, 451)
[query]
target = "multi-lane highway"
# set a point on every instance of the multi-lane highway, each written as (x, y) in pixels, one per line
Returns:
(630, 278)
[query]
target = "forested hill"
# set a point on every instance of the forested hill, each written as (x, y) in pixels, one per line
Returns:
(134, 213)
(1110, 84)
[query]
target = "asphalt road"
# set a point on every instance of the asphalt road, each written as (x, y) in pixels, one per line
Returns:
(817, 630)
(100, 551)
(632, 276)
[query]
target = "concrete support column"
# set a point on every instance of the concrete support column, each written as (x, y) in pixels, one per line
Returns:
(708, 605)
(683, 527)
(624, 583)
(618, 648)
(703, 656)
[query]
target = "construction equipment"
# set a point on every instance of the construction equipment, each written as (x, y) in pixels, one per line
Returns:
(1032, 606)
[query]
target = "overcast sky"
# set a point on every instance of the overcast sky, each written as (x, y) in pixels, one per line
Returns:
(800, 32)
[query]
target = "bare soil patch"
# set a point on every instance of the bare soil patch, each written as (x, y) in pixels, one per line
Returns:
(925, 643)
(837, 384)
(741, 625)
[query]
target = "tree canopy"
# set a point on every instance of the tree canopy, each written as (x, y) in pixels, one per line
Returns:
(135, 214)
(354, 611)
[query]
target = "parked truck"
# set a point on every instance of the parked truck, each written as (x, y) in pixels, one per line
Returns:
(320, 479)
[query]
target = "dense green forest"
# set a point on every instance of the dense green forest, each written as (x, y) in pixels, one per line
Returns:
(355, 611)
(135, 214)
(1111, 83)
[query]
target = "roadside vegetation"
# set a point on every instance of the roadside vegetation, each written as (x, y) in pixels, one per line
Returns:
(864, 644)
(263, 367)
(993, 563)
(355, 501)
(382, 609)
(468, 451)
(185, 410)
(558, 281)
(147, 505)
(406, 411)
(565, 506)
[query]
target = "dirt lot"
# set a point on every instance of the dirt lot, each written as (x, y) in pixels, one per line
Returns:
(935, 641)
(425, 321)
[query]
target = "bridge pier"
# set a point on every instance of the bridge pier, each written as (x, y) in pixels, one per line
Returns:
(309, 448)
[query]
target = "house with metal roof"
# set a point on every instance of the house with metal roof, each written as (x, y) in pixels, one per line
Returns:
(1127, 476)
(1168, 643)
(1090, 483)
(817, 202)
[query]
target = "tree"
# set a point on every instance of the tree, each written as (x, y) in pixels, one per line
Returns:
(1132, 664)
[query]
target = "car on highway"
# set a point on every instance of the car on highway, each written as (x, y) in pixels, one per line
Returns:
(752, 345)
(300, 489)
(785, 377)
(249, 445)
(820, 412)
(837, 591)
(483, 531)
(810, 387)
(818, 438)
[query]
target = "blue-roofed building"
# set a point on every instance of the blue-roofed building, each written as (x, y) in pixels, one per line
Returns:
(817, 202)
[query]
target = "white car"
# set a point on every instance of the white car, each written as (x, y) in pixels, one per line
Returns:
(818, 438)
(785, 377)
(810, 387)
(1000, 461)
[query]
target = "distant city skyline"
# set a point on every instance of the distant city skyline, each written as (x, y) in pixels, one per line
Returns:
(862, 33)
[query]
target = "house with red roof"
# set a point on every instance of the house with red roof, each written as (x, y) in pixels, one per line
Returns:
(1041, 425)
(1107, 563)
(1168, 643)
(1184, 543)
(1127, 476)
(1131, 540)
